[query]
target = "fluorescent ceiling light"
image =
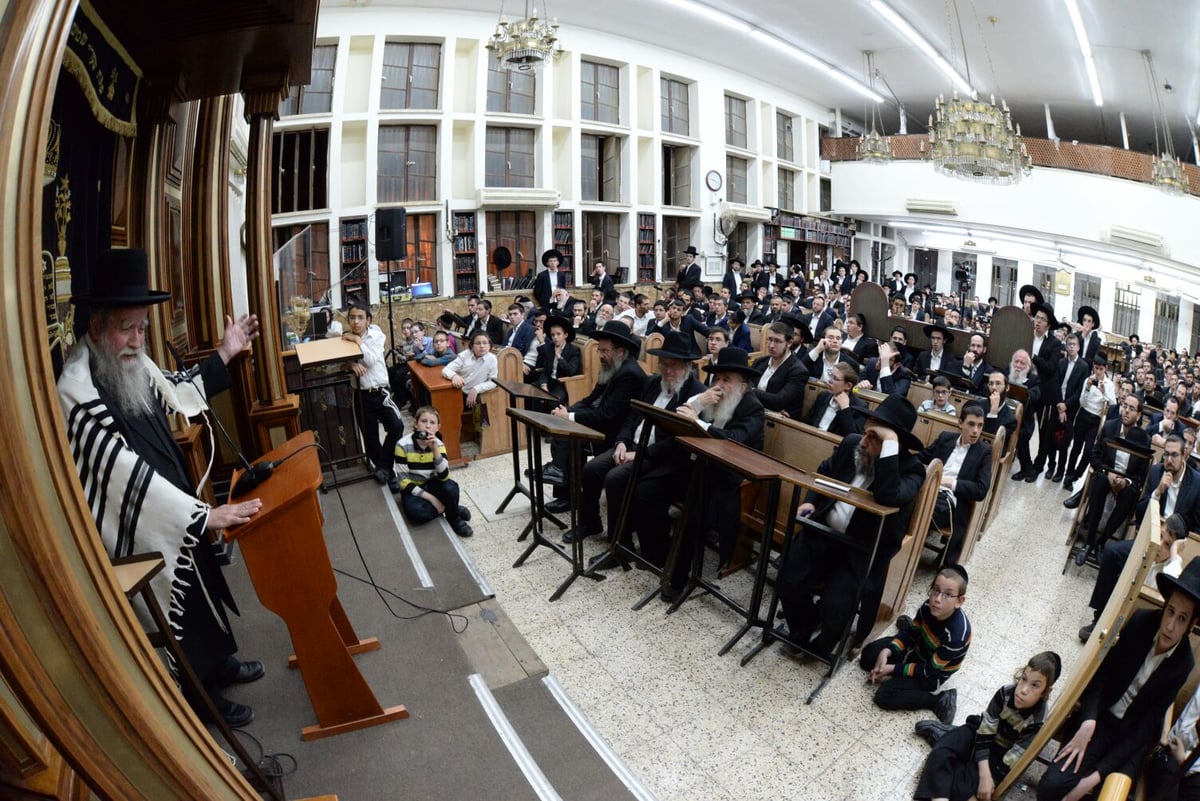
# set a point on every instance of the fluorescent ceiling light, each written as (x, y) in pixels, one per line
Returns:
(1085, 48)
(900, 24)
(805, 57)
(712, 14)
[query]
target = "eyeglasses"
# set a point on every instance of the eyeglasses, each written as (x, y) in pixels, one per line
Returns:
(935, 593)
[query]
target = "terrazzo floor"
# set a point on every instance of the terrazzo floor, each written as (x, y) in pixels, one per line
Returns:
(694, 725)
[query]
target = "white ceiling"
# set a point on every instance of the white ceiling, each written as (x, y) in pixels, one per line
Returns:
(1023, 50)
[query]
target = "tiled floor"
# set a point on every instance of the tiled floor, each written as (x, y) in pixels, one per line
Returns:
(694, 725)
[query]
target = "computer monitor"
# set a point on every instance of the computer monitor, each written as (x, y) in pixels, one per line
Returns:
(422, 289)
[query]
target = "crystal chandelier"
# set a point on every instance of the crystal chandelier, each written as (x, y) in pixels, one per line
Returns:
(1166, 170)
(527, 44)
(873, 147)
(976, 141)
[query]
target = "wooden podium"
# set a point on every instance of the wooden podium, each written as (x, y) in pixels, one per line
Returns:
(284, 549)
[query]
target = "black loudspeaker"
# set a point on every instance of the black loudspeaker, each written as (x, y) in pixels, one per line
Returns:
(391, 234)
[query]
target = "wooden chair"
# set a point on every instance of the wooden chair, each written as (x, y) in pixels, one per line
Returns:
(756, 341)
(975, 523)
(1076, 532)
(811, 391)
(903, 566)
(919, 392)
(496, 437)
(578, 386)
(649, 362)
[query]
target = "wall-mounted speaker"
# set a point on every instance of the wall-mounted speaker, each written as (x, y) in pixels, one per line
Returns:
(391, 233)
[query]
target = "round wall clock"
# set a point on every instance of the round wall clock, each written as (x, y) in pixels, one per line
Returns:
(713, 180)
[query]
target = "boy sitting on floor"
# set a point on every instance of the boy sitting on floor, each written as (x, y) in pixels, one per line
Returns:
(426, 489)
(914, 663)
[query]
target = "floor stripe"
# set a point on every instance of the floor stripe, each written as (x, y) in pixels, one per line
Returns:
(533, 774)
(467, 561)
(410, 547)
(601, 746)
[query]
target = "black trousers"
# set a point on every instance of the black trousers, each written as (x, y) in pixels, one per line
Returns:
(1061, 439)
(378, 409)
(419, 510)
(1056, 782)
(953, 521)
(560, 457)
(1083, 431)
(1112, 561)
(950, 769)
(1024, 455)
(1099, 491)
(898, 692)
(1047, 419)
(1159, 776)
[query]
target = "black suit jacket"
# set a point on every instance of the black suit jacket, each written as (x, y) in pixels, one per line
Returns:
(949, 363)
(1142, 721)
(895, 384)
(898, 479)
(974, 476)
(543, 289)
(1103, 457)
(494, 329)
(1185, 504)
(845, 421)
(865, 348)
(785, 389)
(607, 405)
(605, 285)
(1047, 360)
(689, 276)
(978, 377)
(569, 364)
(662, 440)
(1075, 374)
(1090, 347)
(688, 326)
(1005, 417)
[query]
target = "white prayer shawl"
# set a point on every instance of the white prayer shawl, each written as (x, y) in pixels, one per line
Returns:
(136, 509)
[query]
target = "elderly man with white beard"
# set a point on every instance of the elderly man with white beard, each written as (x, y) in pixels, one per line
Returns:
(881, 461)
(726, 410)
(1021, 374)
(116, 401)
(611, 470)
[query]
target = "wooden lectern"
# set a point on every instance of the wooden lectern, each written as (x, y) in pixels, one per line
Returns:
(284, 549)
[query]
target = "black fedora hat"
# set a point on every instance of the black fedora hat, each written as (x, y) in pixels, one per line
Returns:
(1095, 315)
(619, 333)
(552, 254)
(1030, 289)
(1100, 357)
(691, 250)
(747, 296)
(733, 360)
(561, 322)
(1063, 325)
(800, 324)
(1188, 582)
(121, 278)
(929, 329)
(898, 414)
(502, 258)
(675, 346)
(1042, 307)
(913, 276)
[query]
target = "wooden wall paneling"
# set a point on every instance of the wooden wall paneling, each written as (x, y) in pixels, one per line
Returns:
(70, 647)
(122, 190)
(208, 274)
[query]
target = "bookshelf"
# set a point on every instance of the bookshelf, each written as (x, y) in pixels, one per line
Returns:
(353, 239)
(647, 237)
(466, 256)
(813, 233)
(564, 243)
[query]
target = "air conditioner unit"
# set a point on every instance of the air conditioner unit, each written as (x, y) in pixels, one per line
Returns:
(506, 197)
(745, 212)
(916, 205)
(1124, 235)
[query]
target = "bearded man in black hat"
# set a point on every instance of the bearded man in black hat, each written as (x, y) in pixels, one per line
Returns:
(882, 461)
(116, 401)
(1120, 713)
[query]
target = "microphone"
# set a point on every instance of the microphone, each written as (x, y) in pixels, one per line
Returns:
(254, 474)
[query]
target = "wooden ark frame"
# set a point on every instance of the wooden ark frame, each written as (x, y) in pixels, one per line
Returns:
(72, 652)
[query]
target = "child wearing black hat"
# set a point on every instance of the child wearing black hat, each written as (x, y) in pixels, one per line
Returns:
(925, 652)
(969, 761)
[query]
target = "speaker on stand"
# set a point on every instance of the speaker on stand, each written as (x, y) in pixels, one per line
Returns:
(391, 244)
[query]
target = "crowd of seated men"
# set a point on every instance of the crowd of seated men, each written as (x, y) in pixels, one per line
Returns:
(732, 353)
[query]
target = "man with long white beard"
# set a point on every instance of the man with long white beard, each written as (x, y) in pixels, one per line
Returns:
(116, 400)
(879, 461)
(611, 470)
(726, 410)
(604, 409)
(1021, 374)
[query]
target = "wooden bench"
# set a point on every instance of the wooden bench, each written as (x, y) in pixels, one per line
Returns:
(496, 437)
(974, 531)
(648, 361)
(811, 391)
(904, 564)
(919, 392)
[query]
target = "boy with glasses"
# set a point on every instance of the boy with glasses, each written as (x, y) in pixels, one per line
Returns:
(924, 653)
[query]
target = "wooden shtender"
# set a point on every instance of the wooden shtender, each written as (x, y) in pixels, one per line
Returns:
(284, 549)
(448, 400)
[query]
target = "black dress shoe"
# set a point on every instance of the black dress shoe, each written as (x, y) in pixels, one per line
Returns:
(382, 475)
(903, 624)
(1073, 501)
(462, 528)
(1031, 476)
(606, 561)
(1069, 486)
(464, 513)
(1058, 476)
(244, 673)
(1086, 631)
(931, 730)
(552, 475)
(1081, 555)
(558, 505)
(946, 705)
(570, 536)
(1020, 475)
(234, 714)
(394, 485)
